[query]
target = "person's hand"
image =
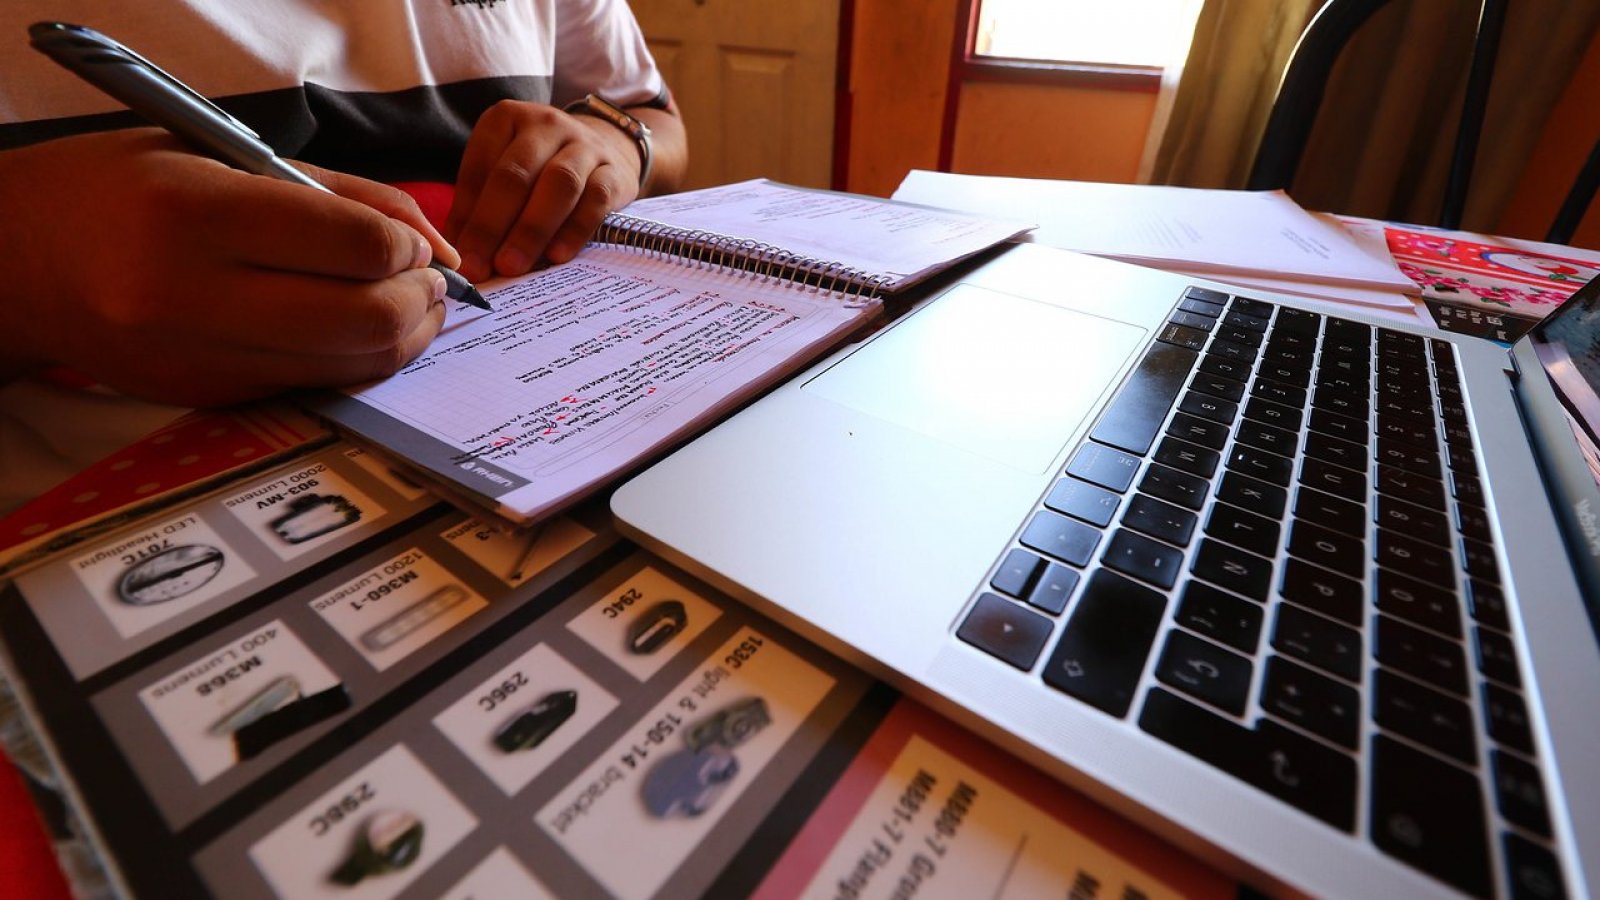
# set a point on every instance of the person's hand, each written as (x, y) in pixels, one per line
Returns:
(536, 182)
(173, 277)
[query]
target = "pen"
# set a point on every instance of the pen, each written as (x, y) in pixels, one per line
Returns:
(146, 89)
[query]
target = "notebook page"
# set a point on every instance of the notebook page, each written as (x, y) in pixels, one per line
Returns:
(583, 369)
(901, 240)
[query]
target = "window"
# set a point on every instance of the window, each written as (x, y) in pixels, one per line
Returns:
(1146, 34)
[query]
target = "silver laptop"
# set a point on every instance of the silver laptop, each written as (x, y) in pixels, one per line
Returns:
(1312, 596)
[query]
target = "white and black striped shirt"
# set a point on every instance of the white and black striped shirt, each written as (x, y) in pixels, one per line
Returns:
(388, 89)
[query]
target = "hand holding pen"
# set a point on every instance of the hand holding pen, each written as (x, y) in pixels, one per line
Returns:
(167, 275)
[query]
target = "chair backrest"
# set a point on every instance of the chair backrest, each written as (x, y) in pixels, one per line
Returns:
(1305, 80)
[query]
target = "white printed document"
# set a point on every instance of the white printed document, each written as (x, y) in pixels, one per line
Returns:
(1217, 233)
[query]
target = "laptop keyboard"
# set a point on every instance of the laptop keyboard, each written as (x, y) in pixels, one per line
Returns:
(1273, 554)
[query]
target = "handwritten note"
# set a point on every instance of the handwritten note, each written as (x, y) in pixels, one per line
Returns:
(584, 367)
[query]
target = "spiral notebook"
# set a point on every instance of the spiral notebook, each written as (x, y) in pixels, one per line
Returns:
(680, 308)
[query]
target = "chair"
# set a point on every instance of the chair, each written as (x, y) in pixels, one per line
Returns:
(1305, 79)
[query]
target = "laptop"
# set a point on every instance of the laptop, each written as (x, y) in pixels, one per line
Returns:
(1311, 595)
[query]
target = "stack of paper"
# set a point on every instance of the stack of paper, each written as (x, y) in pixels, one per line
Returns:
(1259, 239)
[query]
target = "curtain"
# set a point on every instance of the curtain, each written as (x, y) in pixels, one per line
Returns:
(1382, 143)
(1225, 91)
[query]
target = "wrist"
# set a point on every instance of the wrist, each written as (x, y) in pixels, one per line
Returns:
(595, 107)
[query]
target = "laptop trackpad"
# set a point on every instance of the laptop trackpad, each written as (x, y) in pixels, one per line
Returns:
(996, 374)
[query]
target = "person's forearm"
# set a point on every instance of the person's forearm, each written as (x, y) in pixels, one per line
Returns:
(669, 147)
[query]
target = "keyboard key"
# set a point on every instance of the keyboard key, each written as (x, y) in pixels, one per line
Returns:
(1422, 461)
(1488, 605)
(1408, 518)
(1192, 320)
(1229, 350)
(1239, 370)
(1205, 671)
(1234, 569)
(1346, 332)
(1519, 793)
(1134, 554)
(1418, 603)
(1424, 715)
(1295, 769)
(1208, 407)
(1330, 549)
(1497, 657)
(1258, 308)
(1467, 489)
(1288, 373)
(1419, 560)
(1318, 641)
(1353, 369)
(1063, 538)
(1535, 873)
(1339, 452)
(1350, 383)
(1279, 393)
(1507, 717)
(1421, 655)
(1429, 814)
(1281, 354)
(1160, 519)
(1083, 500)
(1220, 616)
(1345, 403)
(1054, 589)
(1106, 641)
(1099, 464)
(1005, 630)
(1234, 335)
(1336, 480)
(1461, 460)
(1342, 427)
(1201, 307)
(1206, 295)
(1015, 575)
(1134, 417)
(1318, 589)
(1237, 318)
(1331, 512)
(1411, 487)
(1174, 486)
(1273, 413)
(1260, 464)
(1473, 522)
(1187, 457)
(1257, 534)
(1306, 774)
(1404, 431)
(1181, 336)
(1268, 437)
(1319, 704)
(1195, 430)
(1257, 496)
(1218, 386)
(1478, 559)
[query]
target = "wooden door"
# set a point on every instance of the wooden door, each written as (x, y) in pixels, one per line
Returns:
(755, 81)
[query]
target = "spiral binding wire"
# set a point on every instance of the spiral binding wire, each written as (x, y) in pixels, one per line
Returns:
(755, 259)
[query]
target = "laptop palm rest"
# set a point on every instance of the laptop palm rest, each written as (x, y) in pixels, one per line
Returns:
(998, 375)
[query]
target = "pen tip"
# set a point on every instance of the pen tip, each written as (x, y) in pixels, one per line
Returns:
(473, 297)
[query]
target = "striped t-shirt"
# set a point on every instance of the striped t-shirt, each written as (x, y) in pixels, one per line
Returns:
(388, 89)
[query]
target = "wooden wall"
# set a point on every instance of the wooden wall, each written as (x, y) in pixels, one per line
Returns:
(900, 60)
